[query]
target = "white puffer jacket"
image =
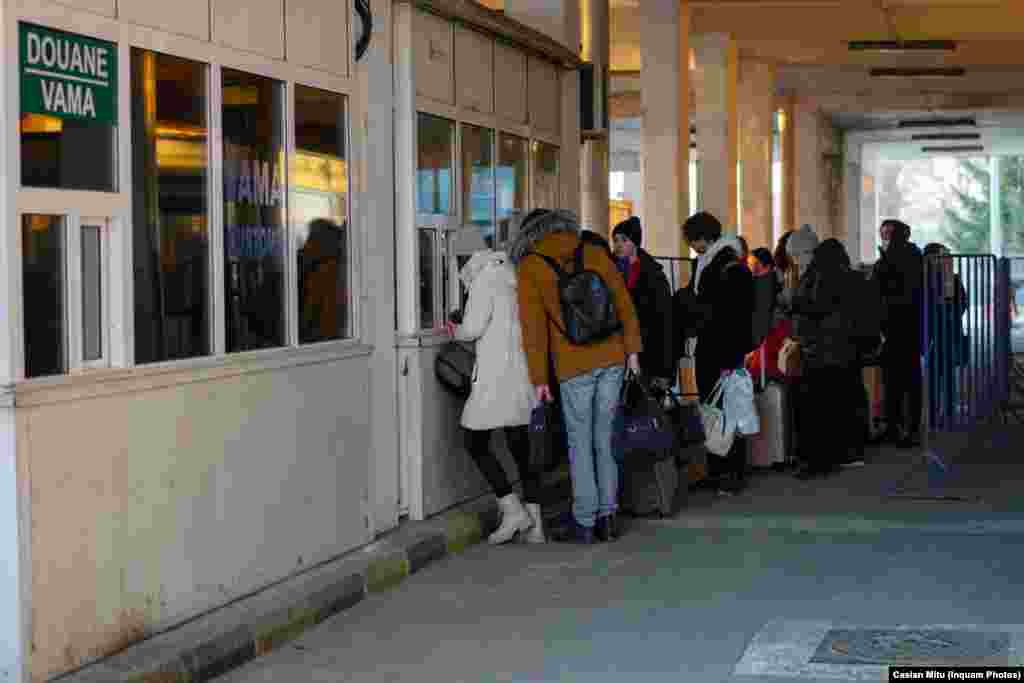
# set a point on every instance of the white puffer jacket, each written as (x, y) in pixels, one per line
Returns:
(502, 395)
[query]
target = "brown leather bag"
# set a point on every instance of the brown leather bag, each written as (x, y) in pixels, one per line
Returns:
(791, 358)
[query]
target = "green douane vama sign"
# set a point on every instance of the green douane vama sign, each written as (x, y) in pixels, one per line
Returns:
(67, 75)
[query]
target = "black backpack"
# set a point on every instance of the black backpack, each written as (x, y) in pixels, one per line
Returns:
(588, 308)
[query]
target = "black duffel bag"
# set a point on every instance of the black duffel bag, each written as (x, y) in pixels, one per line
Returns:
(455, 366)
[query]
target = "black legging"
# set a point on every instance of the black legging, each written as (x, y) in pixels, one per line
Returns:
(901, 375)
(478, 442)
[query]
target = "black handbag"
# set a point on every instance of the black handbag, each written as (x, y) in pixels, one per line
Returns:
(640, 423)
(547, 436)
(686, 417)
(455, 367)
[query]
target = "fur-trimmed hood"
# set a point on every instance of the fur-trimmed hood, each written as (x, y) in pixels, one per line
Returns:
(534, 229)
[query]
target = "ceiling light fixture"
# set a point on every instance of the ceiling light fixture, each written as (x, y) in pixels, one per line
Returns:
(901, 46)
(924, 137)
(955, 148)
(937, 123)
(901, 72)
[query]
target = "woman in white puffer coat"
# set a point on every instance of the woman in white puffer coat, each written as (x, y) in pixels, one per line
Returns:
(502, 397)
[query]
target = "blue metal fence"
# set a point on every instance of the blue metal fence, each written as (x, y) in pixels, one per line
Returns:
(966, 316)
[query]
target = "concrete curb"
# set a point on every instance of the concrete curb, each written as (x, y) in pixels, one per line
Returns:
(230, 636)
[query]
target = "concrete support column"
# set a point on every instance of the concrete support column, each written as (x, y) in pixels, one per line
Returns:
(665, 94)
(594, 153)
(715, 80)
(810, 183)
(373, 116)
(788, 164)
(996, 236)
(756, 107)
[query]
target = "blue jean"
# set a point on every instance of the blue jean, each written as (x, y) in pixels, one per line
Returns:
(588, 403)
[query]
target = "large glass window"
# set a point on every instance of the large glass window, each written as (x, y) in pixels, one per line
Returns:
(44, 276)
(68, 120)
(513, 158)
(545, 175)
(169, 231)
(478, 180)
(319, 215)
(434, 143)
(254, 233)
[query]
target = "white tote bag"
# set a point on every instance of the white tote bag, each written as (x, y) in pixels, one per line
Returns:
(718, 437)
(740, 408)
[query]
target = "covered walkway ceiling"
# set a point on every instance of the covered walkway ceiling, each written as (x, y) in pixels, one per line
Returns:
(808, 40)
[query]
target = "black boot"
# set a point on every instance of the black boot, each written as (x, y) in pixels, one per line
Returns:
(607, 529)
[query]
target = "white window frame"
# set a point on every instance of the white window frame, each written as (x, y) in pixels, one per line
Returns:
(117, 206)
(409, 105)
(352, 254)
(73, 343)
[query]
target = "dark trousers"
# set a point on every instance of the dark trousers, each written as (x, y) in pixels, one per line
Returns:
(478, 442)
(831, 402)
(904, 388)
(735, 461)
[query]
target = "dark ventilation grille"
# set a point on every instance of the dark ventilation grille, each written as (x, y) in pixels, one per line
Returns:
(923, 137)
(955, 148)
(937, 123)
(900, 72)
(902, 45)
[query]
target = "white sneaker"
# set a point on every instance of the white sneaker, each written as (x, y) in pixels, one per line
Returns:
(536, 533)
(514, 518)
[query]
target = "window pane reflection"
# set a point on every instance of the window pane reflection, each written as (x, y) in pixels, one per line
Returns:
(169, 231)
(478, 180)
(511, 172)
(43, 254)
(319, 215)
(426, 248)
(434, 139)
(253, 210)
(545, 175)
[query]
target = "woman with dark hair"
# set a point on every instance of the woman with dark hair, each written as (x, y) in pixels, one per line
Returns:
(723, 290)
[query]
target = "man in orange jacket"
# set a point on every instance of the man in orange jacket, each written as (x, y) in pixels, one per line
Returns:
(590, 376)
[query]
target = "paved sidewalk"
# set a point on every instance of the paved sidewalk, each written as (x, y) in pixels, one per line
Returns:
(662, 605)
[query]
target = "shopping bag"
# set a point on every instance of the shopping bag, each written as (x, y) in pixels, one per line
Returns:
(739, 406)
(718, 438)
(640, 422)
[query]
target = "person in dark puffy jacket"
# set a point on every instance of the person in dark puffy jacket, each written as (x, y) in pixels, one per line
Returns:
(724, 304)
(831, 386)
(652, 297)
(900, 276)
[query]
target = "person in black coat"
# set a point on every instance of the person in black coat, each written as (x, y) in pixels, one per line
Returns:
(652, 297)
(900, 274)
(832, 391)
(722, 287)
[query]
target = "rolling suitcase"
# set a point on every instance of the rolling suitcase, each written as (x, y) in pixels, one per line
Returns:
(773, 445)
(651, 485)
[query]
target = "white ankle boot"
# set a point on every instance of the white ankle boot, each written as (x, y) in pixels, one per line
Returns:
(535, 534)
(514, 518)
